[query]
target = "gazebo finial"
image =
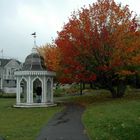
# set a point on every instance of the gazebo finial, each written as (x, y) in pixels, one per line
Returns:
(34, 49)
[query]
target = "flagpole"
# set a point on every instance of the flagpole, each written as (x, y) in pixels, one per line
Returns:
(1, 53)
(34, 36)
(34, 49)
(35, 40)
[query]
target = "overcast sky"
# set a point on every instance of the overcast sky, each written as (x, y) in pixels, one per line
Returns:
(20, 18)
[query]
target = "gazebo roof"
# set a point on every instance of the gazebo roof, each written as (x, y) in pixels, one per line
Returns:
(34, 62)
(34, 65)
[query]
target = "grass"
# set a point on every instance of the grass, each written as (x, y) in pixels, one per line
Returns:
(114, 119)
(21, 123)
(104, 118)
(89, 97)
(110, 119)
(7, 95)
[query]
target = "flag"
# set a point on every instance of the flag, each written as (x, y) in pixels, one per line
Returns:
(33, 33)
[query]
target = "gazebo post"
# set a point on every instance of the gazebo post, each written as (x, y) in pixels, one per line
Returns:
(31, 92)
(18, 92)
(28, 91)
(44, 90)
(52, 90)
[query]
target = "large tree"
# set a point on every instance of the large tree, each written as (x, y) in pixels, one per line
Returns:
(102, 43)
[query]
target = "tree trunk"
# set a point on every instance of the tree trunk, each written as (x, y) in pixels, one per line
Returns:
(91, 85)
(137, 81)
(118, 91)
(113, 92)
(83, 85)
(81, 89)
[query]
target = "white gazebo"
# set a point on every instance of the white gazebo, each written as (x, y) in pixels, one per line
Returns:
(33, 75)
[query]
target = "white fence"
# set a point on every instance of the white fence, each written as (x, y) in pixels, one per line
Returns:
(9, 90)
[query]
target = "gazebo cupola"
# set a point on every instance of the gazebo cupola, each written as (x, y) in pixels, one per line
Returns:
(34, 75)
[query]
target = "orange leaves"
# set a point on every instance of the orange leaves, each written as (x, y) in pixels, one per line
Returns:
(51, 55)
(135, 60)
(126, 72)
(103, 68)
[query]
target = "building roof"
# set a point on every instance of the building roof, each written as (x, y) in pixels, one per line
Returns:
(4, 62)
(34, 62)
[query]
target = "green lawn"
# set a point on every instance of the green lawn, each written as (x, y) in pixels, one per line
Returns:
(21, 123)
(104, 118)
(113, 120)
(110, 119)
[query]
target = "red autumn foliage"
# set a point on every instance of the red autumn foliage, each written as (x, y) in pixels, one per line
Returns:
(99, 43)
(103, 38)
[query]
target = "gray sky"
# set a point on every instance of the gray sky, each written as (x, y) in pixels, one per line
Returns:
(20, 18)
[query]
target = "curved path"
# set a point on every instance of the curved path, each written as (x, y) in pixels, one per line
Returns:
(65, 125)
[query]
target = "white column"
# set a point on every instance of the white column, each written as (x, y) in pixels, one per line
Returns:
(18, 92)
(51, 90)
(46, 84)
(42, 95)
(25, 90)
(31, 91)
(1, 83)
(47, 90)
(28, 90)
(44, 90)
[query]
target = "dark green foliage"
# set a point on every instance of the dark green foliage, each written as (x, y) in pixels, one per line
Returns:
(7, 95)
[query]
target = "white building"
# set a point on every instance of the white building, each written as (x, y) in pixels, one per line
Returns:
(7, 78)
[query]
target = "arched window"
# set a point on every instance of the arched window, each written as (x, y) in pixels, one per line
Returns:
(37, 90)
(23, 90)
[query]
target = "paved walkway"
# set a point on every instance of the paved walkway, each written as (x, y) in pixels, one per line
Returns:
(65, 125)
